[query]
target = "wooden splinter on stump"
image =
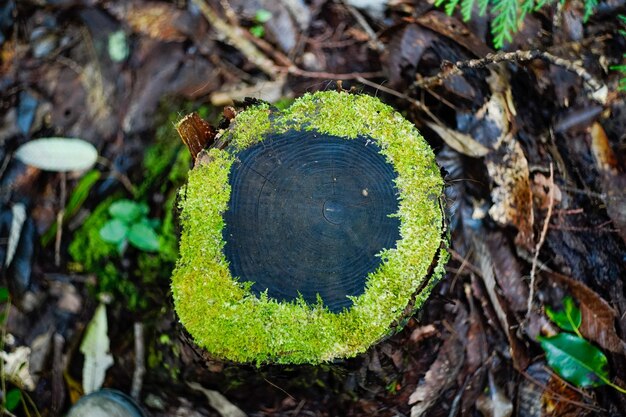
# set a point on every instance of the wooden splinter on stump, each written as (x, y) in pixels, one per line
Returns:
(308, 234)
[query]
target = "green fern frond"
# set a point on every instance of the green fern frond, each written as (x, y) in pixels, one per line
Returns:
(505, 21)
(507, 14)
(466, 9)
(590, 7)
(482, 7)
(527, 7)
(450, 6)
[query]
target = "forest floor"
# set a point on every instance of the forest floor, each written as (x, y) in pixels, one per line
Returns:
(532, 141)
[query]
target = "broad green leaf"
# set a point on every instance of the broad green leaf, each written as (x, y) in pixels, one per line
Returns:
(262, 16)
(128, 211)
(568, 318)
(12, 399)
(257, 31)
(575, 360)
(95, 347)
(114, 231)
(58, 154)
(143, 237)
(4, 294)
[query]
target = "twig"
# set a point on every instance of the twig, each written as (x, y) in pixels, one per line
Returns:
(58, 367)
(393, 92)
(449, 69)
(334, 76)
(60, 215)
(374, 41)
(140, 362)
(277, 387)
(235, 37)
(542, 238)
(238, 38)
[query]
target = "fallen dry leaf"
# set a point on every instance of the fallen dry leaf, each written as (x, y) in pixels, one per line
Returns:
(613, 181)
(16, 367)
(485, 263)
(423, 332)
(158, 20)
(511, 193)
(218, 402)
(460, 142)
(598, 317)
(443, 371)
(541, 191)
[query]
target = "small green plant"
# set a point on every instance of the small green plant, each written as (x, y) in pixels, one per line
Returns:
(508, 15)
(129, 224)
(570, 355)
(261, 17)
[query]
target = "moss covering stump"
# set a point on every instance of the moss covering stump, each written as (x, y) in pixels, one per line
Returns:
(308, 234)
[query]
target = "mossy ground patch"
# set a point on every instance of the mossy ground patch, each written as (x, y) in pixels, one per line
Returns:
(226, 318)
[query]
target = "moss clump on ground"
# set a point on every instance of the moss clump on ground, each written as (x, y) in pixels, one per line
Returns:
(229, 321)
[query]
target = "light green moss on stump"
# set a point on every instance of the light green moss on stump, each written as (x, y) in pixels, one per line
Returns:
(229, 321)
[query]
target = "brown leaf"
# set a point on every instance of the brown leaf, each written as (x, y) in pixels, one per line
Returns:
(541, 191)
(507, 271)
(519, 353)
(404, 52)
(543, 394)
(460, 142)
(613, 181)
(598, 317)
(511, 194)
(423, 332)
(454, 29)
(443, 371)
(158, 20)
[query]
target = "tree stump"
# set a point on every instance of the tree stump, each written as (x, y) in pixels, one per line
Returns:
(308, 234)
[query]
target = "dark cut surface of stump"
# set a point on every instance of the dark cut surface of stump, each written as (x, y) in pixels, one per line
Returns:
(308, 214)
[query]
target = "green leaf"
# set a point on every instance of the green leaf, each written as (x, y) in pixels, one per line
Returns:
(257, 31)
(576, 360)
(128, 211)
(568, 318)
(114, 231)
(12, 399)
(262, 16)
(4, 294)
(590, 6)
(143, 237)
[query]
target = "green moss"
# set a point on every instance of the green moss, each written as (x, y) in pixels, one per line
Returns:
(229, 321)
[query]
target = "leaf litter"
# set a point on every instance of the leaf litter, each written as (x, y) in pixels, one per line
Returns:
(103, 73)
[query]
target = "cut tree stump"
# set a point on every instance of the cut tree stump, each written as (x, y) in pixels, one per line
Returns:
(308, 234)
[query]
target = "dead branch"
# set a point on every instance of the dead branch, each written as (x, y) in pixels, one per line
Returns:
(597, 88)
(542, 238)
